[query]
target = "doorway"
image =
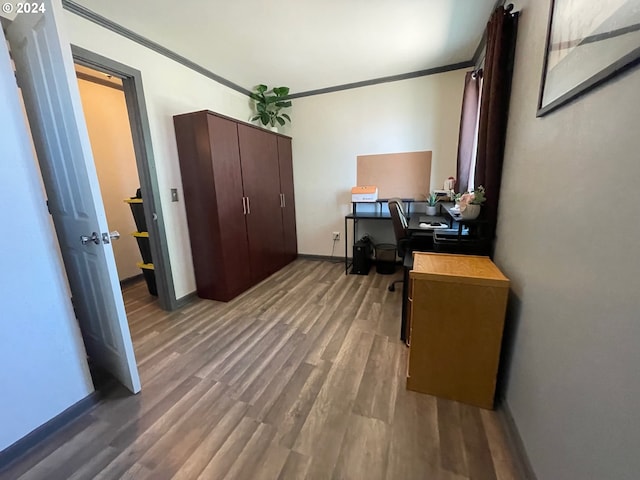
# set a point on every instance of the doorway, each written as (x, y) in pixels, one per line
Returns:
(117, 75)
(105, 113)
(112, 106)
(107, 121)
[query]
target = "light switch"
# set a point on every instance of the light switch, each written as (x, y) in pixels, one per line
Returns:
(174, 194)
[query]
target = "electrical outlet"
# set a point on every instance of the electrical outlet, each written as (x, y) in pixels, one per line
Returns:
(335, 236)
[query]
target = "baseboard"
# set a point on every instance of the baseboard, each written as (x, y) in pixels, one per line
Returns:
(128, 281)
(321, 258)
(327, 258)
(182, 301)
(515, 440)
(15, 451)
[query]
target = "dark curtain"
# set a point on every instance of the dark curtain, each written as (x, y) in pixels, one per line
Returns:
(468, 131)
(494, 107)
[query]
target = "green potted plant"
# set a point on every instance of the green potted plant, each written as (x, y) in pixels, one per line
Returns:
(269, 103)
(432, 200)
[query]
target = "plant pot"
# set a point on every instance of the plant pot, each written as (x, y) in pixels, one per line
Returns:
(471, 212)
(258, 123)
(431, 210)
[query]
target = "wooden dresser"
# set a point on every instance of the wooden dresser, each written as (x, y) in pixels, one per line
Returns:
(457, 306)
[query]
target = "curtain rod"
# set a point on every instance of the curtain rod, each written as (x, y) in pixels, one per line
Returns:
(508, 9)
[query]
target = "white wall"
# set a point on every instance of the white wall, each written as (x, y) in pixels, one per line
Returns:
(568, 235)
(329, 131)
(169, 89)
(105, 112)
(43, 370)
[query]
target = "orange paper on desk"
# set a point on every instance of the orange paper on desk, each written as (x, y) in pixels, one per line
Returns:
(365, 193)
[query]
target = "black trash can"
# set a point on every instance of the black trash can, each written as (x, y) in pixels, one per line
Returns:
(385, 258)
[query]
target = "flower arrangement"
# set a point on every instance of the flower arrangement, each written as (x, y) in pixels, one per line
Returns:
(477, 197)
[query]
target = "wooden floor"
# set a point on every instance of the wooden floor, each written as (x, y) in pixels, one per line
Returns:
(301, 377)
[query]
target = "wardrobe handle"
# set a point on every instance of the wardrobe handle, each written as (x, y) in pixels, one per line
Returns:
(281, 205)
(284, 201)
(244, 206)
(248, 207)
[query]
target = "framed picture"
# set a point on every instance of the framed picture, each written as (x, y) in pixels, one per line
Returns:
(588, 42)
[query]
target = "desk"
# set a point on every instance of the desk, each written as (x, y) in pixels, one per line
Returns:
(378, 214)
(472, 236)
(454, 216)
(414, 227)
(355, 217)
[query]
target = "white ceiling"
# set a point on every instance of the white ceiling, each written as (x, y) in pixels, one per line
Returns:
(307, 44)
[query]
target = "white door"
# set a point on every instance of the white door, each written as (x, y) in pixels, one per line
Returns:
(44, 67)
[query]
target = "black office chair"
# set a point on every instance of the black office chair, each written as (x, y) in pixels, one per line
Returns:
(400, 224)
(405, 242)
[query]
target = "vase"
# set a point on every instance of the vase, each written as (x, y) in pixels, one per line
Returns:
(431, 210)
(471, 212)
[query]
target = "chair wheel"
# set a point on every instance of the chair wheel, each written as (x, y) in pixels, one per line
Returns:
(392, 288)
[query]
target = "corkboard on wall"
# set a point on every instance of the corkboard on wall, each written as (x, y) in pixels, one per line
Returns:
(404, 175)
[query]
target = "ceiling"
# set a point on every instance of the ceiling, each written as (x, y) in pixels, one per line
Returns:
(307, 44)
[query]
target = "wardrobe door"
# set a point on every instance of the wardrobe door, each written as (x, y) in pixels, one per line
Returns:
(234, 264)
(192, 137)
(290, 241)
(261, 183)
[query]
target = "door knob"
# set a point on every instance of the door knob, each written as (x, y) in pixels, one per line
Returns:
(106, 237)
(93, 238)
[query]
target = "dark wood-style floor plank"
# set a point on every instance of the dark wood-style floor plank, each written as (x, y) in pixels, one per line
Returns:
(377, 394)
(208, 447)
(476, 446)
(365, 449)
(301, 377)
(295, 467)
(503, 461)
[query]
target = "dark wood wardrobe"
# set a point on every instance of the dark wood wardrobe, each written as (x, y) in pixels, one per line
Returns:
(238, 191)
